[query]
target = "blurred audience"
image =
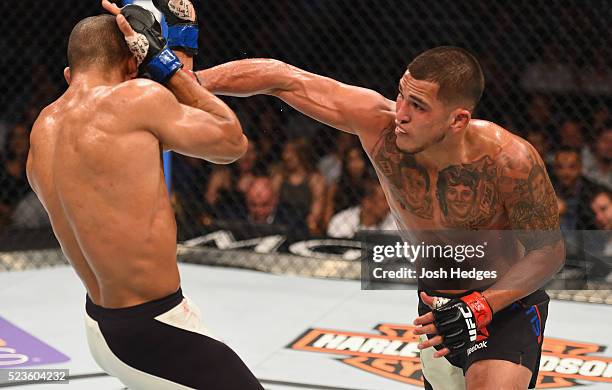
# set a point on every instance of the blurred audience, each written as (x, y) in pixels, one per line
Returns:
(188, 183)
(598, 158)
(574, 191)
(372, 213)
(539, 140)
(539, 114)
(570, 134)
(601, 205)
(278, 182)
(549, 73)
(600, 118)
(597, 78)
(30, 213)
(261, 201)
(263, 209)
(300, 187)
(14, 184)
(224, 195)
(350, 189)
(236, 177)
(331, 165)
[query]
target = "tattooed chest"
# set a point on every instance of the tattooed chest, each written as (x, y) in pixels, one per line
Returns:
(460, 196)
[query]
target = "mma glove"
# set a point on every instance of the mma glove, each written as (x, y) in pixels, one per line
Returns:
(155, 60)
(460, 320)
(182, 24)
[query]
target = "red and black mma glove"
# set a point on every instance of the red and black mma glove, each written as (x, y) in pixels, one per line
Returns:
(459, 320)
(155, 60)
(182, 24)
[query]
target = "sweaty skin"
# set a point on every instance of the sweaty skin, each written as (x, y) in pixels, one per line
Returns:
(439, 168)
(95, 163)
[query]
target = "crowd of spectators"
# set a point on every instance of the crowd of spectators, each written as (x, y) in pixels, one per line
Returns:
(324, 183)
(341, 195)
(549, 88)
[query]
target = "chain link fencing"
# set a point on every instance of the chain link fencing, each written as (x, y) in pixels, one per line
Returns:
(295, 201)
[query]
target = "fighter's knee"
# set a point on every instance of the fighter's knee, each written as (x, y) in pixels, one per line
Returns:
(498, 375)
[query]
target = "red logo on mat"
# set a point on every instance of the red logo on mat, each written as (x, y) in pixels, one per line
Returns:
(393, 354)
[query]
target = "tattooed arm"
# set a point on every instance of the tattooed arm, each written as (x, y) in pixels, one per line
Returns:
(531, 204)
(345, 107)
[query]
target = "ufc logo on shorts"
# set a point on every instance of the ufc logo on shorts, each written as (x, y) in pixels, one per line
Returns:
(469, 320)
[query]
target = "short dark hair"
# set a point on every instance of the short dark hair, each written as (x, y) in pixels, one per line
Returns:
(97, 41)
(455, 70)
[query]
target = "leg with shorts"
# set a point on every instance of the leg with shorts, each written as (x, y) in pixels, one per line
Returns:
(515, 335)
(162, 345)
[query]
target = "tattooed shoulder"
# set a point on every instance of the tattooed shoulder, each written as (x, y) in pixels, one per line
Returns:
(528, 194)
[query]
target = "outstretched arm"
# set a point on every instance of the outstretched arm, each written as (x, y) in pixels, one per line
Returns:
(344, 107)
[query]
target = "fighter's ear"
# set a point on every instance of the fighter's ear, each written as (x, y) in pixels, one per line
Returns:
(67, 74)
(460, 119)
(132, 68)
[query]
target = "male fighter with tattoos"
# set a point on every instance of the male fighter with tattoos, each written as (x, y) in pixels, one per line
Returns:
(441, 169)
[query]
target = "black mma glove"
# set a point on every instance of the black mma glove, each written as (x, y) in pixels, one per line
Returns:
(155, 59)
(182, 24)
(460, 319)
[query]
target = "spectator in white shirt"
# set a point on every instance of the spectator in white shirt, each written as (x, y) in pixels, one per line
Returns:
(597, 164)
(372, 214)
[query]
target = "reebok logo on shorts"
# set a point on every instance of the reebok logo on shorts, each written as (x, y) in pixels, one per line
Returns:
(482, 344)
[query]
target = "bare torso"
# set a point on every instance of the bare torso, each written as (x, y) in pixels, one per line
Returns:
(420, 197)
(100, 179)
(424, 195)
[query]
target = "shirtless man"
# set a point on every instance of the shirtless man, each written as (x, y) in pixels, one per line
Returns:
(95, 164)
(471, 174)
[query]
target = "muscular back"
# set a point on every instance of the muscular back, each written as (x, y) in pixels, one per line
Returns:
(98, 173)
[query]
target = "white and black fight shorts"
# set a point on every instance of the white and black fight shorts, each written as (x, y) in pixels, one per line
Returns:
(162, 344)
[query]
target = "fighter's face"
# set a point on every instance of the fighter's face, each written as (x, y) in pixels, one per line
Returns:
(421, 119)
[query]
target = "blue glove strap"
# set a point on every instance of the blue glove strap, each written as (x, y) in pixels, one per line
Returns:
(183, 35)
(164, 65)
